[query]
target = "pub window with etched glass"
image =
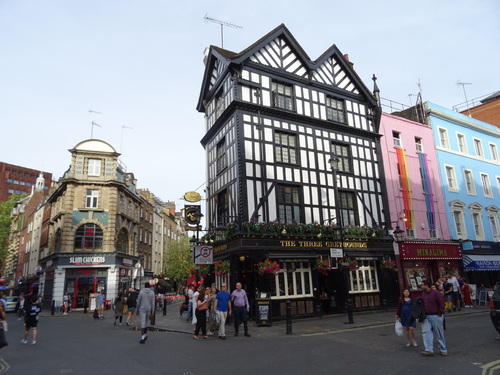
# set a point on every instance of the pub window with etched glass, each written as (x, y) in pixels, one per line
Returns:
(364, 278)
(335, 109)
(293, 280)
(285, 148)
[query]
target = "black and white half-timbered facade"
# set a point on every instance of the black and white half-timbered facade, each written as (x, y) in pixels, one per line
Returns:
(274, 118)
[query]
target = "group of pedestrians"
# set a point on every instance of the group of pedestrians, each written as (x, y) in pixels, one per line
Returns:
(447, 294)
(216, 306)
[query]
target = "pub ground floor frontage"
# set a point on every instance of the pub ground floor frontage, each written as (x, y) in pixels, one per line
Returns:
(83, 276)
(354, 273)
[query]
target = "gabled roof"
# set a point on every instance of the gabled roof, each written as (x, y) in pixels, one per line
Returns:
(325, 69)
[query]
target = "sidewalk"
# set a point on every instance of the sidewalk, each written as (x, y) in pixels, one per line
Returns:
(172, 322)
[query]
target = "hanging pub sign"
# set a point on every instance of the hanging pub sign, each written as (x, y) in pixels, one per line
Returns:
(190, 212)
(192, 196)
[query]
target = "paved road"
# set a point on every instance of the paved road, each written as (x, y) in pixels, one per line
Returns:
(77, 344)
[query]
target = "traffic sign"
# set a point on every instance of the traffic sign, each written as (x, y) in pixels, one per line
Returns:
(123, 272)
(203, 254)
(336, 253)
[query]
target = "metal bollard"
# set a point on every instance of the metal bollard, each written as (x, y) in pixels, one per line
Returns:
(348, 305)
(288, 317)
(164, 306)
(153, 319)
(84, 306)
(53, 307)
(384, 304)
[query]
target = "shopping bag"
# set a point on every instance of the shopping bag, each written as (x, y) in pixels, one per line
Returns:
(125, 309)
(399, 328)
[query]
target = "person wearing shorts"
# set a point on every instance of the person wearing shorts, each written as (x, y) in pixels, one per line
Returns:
(145, 308)
(31, 321)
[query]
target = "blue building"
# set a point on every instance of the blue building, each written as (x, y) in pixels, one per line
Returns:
(469, 166)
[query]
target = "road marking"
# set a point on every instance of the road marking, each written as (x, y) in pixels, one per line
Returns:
(4, 366)
(490, 368)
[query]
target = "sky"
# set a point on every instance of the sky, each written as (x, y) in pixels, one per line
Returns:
(139, 64)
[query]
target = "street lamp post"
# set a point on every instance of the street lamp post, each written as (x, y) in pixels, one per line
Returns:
(196, 242)
(334, 166)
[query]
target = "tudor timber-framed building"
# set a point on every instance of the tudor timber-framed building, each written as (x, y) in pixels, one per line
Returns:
(273, 120)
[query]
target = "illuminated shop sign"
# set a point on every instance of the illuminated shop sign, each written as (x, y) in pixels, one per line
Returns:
(89, 260)
(424, 250)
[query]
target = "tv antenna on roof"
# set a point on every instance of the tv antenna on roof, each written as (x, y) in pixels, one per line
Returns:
(463, 87)
(222, 24)
(92, 123)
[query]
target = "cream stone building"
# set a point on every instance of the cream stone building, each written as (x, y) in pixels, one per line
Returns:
(94, 228)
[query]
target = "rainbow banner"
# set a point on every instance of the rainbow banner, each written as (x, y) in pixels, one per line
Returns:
(405, 185)
(429, 197)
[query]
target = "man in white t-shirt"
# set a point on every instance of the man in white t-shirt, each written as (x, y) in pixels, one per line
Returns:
(456, 290)
(190, 293)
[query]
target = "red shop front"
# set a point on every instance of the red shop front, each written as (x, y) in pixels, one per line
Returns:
(427, 260)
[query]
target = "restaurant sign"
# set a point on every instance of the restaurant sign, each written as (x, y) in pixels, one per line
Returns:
(430, 250)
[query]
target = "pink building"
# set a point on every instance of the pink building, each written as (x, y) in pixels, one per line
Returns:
(416, 202)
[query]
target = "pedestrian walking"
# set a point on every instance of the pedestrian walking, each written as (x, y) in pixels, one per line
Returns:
(100, 304)
(212, 324)
(433, 324)
(403, 313)
(131, 306)
(455, 292)
(3, 326)
(241, 309)
(31, 321)
(65, 303)
(145, 308)
(202, 302)
(20, 307)
(119, 305)
(222, 307)
(190, 295)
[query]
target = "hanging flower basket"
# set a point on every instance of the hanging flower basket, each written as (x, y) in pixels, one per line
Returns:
(203, 271)
(348, 264)
(323, 266)
(389, 265)
(268, 267)
(222, 268)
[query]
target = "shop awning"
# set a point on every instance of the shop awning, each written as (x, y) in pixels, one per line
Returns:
(481, 262)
